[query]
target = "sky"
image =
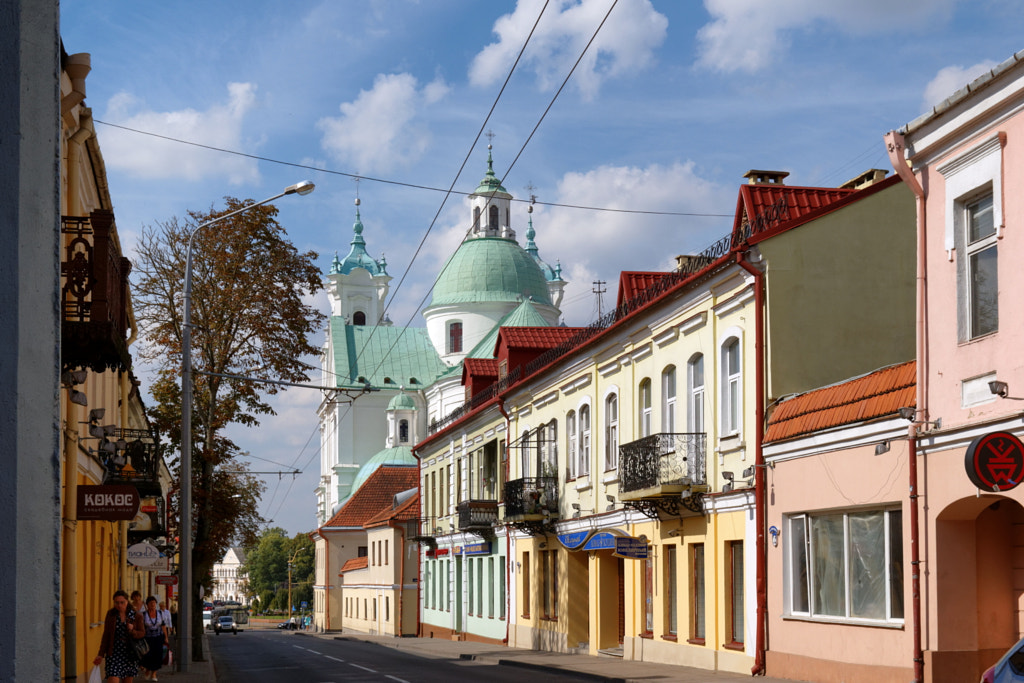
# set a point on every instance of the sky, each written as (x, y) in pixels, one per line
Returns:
(634, 152)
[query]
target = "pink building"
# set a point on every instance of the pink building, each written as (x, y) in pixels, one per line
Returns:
(965, 163)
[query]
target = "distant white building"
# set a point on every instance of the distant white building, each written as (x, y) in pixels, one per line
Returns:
(228, 583)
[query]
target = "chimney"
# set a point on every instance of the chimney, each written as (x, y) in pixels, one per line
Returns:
(865, 179)
(765, 177)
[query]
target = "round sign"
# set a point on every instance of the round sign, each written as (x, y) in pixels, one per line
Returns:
(995, 462)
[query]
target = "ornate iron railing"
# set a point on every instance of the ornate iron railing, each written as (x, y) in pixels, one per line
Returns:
(531, 496)
(135, 459)
(662, 460)
(477, 514)
(94, 295)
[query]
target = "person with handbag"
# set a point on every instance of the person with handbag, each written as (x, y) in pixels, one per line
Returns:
(121, 628)
(157, 637)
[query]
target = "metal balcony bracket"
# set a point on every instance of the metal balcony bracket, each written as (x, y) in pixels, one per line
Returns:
(668, 506)
(539, 527)
(428, 541)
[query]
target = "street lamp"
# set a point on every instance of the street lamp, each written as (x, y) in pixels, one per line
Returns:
(290, 562)
(185, 581)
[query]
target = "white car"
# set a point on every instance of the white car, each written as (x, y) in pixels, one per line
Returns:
(225, 623)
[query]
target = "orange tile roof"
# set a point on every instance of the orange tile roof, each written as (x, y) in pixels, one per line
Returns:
(757, 204)
(376, 494)
(632, 282)
(354, 563)
(409, 509)
(535, 337)
(488, 367)
(870, 396)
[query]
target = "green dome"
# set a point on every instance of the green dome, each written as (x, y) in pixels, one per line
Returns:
(402, 401)
(490, 269)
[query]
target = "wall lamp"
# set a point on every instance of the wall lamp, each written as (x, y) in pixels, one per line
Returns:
(611, 503)
(882, 448)
(908, 413)
(1000, 389)
(576, 510)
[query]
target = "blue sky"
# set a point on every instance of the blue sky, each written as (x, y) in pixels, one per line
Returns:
(671, 105)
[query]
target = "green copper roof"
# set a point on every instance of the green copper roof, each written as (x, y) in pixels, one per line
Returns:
(357, 256)
(400, 354)
(490, 269)
(402, 401)
(550, 274)
(400, 455)
(523, 315)
(490, 185)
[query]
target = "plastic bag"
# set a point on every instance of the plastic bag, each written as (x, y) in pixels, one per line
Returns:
(168, 656)
(96, 676)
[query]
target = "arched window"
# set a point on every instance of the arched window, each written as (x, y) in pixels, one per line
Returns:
(645, 408)
(584, 468)
(358, 318)
(476, 217)
(668, 400)
(611, 432)
(570, 437)
(732, 401)
(695, 394)
(403, 431)
(455, 337)
(526, 454)
(493, 217)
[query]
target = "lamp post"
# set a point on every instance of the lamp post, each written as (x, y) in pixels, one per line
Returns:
(185, 580)
(290, 562)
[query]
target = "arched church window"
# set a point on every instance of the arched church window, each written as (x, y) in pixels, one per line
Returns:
(403, 431)
(493, 217)
(358, 318)
(455, 337)
(476, 217)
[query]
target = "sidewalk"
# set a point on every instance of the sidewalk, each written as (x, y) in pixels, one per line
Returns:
(198, 672)
(610, 669)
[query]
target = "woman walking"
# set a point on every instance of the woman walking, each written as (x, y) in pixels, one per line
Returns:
(121, 626)
(156, 635)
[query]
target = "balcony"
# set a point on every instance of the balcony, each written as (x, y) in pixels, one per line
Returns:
(135, 460)
(663, 466)
(94, 295)
(531, 499)
(478, 516)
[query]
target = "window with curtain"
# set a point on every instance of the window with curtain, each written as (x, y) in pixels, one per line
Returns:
(584, 468)
(846, 566)
(668, 400)
(611, 432)
(695, 391)
(645, 408)
(570, 437)
(732, 401)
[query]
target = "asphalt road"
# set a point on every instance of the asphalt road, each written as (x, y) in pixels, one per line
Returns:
(270, 656)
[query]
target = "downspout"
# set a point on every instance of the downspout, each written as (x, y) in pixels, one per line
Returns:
(419, 554)
(895, 144)
(508, 532)
(761, 571)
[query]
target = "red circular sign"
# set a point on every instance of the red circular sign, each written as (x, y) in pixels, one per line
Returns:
(995, 462)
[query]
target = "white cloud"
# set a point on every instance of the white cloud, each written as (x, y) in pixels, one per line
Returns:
(378, 131)
(950, 79)
(624, 45)
(748, 35)
(151, 157)
(626, 241)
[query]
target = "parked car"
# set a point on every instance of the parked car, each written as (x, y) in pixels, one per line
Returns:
(226, 623)
(1009, 668)
(288, 625)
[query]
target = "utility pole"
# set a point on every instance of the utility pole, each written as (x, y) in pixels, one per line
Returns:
(599, 289)
(290, 562)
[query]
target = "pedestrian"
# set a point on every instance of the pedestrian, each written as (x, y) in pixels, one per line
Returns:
(138, 608)
(156, 636)
(120, 626)
(167, 619)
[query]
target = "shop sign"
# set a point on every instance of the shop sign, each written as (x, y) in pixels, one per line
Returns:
(483, 548)
(167, 580)
(995, 462)
(441, 552)
(631, 548)
(146, 556)
(591, 540)
(110, 502)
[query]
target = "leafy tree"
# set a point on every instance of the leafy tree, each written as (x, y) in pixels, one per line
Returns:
(266, 565)
(250, 319)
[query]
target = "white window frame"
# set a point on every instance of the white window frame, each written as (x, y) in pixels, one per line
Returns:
(611, 431)
(645, 403)
(571, 436)
(696, 412)
(669, 386)
(731, 386)
(585, 438)
(970, 299)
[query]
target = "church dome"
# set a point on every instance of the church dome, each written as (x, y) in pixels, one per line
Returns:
(402, 401)
(490, 269)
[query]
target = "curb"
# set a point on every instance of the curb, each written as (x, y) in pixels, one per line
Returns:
(559, 670)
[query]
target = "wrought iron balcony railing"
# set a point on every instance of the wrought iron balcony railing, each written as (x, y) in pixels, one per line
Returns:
(531, 498)
(94, 295)
(662, 464)
(477, 514)
(134, 460)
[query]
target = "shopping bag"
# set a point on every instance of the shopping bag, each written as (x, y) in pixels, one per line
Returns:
(168, 657)
(96, 676)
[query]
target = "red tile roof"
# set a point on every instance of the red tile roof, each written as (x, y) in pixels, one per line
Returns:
(768, 206)
(535, 337)
(484, 367)
(633, 282)
(376, 494)
(877, 394)
(409, 509)
(354, 563)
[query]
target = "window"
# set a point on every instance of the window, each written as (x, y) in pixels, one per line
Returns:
(486, 474)
(480, 586)
(470, 583)
(490, 587)
(387, 608)
(476, 217)
(731, 400)
(648, 578)
(403, 431)
(668, 400)
(846, 566)
(982, 267)
(547, 465)
(645, 408)
(736, 624)
(695, 389)
(698, 632)
(501, 588)
(358, 318)
(525, 574)
(584, 469)
(570, 435)
(611, 432)
(525, 454)
(455, 337)
(671, 591)
(492, 217)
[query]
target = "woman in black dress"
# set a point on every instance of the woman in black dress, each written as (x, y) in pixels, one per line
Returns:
(120, 627)
(156, 635)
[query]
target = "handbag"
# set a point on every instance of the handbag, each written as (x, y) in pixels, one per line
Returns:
(141, 647)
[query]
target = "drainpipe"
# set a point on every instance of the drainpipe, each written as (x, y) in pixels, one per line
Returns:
(895, 144)
(419, 554)
(508, 533)
(761, 571)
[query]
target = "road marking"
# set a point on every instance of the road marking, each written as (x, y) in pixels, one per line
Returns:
(314, 652)
(362, 667)
(335, 659)
(400, 680)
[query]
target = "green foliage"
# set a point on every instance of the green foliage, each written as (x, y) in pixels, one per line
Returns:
(266, 565)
